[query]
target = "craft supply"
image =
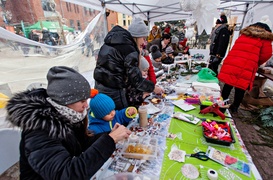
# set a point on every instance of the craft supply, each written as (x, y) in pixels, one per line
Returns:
(143, 119)
(190, 171)
(186, 117)
(228, 161)
(212, 174)
(200, 155)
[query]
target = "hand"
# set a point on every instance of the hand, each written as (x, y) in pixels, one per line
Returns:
(131, 111)
(145, 94)
(215, 60)
(119, 132)
(158, 90)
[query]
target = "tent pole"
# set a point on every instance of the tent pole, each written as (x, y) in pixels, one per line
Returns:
(104, 17)
(244, 15)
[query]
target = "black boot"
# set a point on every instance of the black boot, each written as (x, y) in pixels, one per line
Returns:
(233, 109)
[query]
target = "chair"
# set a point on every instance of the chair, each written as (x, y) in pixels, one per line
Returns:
(9, 151)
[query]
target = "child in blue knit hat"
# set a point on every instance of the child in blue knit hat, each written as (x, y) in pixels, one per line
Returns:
(103, 116)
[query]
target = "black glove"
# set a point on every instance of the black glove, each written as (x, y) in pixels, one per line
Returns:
(216, 60)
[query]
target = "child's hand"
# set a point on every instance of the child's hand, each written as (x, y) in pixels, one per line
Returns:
(131, 111)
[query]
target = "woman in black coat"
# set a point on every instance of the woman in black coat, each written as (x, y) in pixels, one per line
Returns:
(55, 143)
(117, 64)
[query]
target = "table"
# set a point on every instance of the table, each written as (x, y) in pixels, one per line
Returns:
(189, 138)
(267, 75)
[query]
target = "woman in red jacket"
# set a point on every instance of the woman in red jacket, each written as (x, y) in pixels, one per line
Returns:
(251, 49)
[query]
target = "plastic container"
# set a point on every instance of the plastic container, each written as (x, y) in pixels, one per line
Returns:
(143, 148)
(217, 141)
(143, 118)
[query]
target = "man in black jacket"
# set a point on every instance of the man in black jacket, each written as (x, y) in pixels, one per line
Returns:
(219, 43)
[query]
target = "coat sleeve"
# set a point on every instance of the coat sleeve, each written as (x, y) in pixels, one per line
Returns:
(265, 52)
(121, 117)
(223, 42)
(134, 74)
(151, 71)
(49, 158)
(150, 37)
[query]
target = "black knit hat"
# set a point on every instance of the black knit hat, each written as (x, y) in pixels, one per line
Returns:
(218, 21)
(223, 19)
(66, 85)
(155, 52)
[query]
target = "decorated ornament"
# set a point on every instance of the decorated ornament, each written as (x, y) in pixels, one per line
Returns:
(205, 13)
(189, 33)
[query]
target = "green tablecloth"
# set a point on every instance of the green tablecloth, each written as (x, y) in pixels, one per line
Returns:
(192, 141)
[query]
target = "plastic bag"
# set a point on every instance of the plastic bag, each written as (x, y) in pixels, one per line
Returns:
(206, 75)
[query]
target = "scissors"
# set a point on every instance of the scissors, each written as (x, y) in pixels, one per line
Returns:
(200, 155)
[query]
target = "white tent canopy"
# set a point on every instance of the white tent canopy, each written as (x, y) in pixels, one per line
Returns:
(161, 10)
(158, 10)
(167, 10)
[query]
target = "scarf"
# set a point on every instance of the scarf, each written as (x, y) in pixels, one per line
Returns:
(70, 114)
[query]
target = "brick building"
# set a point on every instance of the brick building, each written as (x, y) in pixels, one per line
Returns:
(31, 11)
(120, 19)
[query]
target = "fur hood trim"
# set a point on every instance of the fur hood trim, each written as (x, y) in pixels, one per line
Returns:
(258, 32)
(30, 110)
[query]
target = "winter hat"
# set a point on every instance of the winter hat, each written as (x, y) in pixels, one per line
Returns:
(218, 21)
(144, 64)
(183, 43)
(155, 52)
(101, 105)
(138, 28)
(265, 19)
(66, 85)
(167, 30)
(169, 50)
(223, 18)
(174, 40)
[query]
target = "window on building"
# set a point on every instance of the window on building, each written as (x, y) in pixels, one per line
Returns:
(68, 7)
(76, 8)
(85, 10)
(124, 16)
(90, 11)
(79, 25)
(71, 22)
(129, 22)
(112, 25)
(124, 22)
(48, 5)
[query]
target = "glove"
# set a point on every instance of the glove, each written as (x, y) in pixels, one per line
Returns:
(216, 60)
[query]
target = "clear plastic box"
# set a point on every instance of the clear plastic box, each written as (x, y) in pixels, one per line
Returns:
(142, 148)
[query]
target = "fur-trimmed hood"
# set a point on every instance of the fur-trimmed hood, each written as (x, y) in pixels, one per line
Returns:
(30, 110)
(258, 32)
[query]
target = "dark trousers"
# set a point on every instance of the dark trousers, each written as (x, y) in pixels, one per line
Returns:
(214, 64)
(238, 97)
